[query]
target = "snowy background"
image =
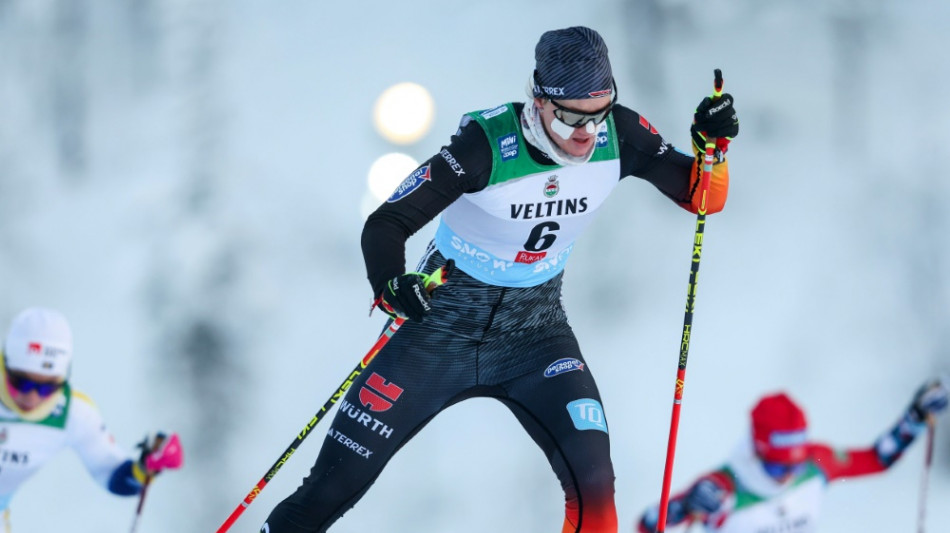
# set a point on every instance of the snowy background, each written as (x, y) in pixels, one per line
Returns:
(183, 179)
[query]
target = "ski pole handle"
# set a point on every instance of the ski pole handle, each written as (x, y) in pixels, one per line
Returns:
(710, 147)
(438, 278)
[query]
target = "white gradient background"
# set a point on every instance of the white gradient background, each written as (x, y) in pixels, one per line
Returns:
(183, 179)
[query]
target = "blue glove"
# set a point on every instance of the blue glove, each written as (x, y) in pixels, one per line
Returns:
(930, 399)
(706, 497)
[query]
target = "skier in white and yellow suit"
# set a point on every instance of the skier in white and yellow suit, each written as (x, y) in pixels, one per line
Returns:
(40, 414)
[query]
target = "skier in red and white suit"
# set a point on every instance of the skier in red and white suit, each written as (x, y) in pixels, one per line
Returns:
(775, 480)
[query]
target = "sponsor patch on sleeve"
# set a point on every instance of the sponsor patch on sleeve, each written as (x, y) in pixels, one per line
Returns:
(411, 183)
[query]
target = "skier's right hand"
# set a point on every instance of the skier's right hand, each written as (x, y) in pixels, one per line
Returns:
(405, 296)
(706, 497)
(930, 399)
(160, 452)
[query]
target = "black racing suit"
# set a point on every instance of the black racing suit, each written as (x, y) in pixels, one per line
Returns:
(512, 344)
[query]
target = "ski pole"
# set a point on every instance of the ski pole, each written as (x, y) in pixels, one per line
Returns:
(924, 478)
(138, 508)
(688, 318)
(432, 281)
(159, 438)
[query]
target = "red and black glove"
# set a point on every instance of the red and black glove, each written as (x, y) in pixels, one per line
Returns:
(405, 296)
(714, 118)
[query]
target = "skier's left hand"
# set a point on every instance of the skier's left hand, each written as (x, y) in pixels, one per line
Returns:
(706, 497)
(714, 118)
(161, 452)
(930, 399)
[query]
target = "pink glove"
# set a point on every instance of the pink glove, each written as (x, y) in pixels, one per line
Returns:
(165, 452)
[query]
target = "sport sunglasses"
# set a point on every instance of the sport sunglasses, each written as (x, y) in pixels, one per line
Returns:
(24, 385)
(780, 470)
(576, 119)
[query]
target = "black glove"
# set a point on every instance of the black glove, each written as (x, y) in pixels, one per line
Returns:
(706, 497)
(405, 296)
(714, 119)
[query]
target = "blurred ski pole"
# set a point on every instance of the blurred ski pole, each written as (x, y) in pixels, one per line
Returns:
(148, 480)
(138, 508)
(925, 477)
(688, 318)
(432, 282)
